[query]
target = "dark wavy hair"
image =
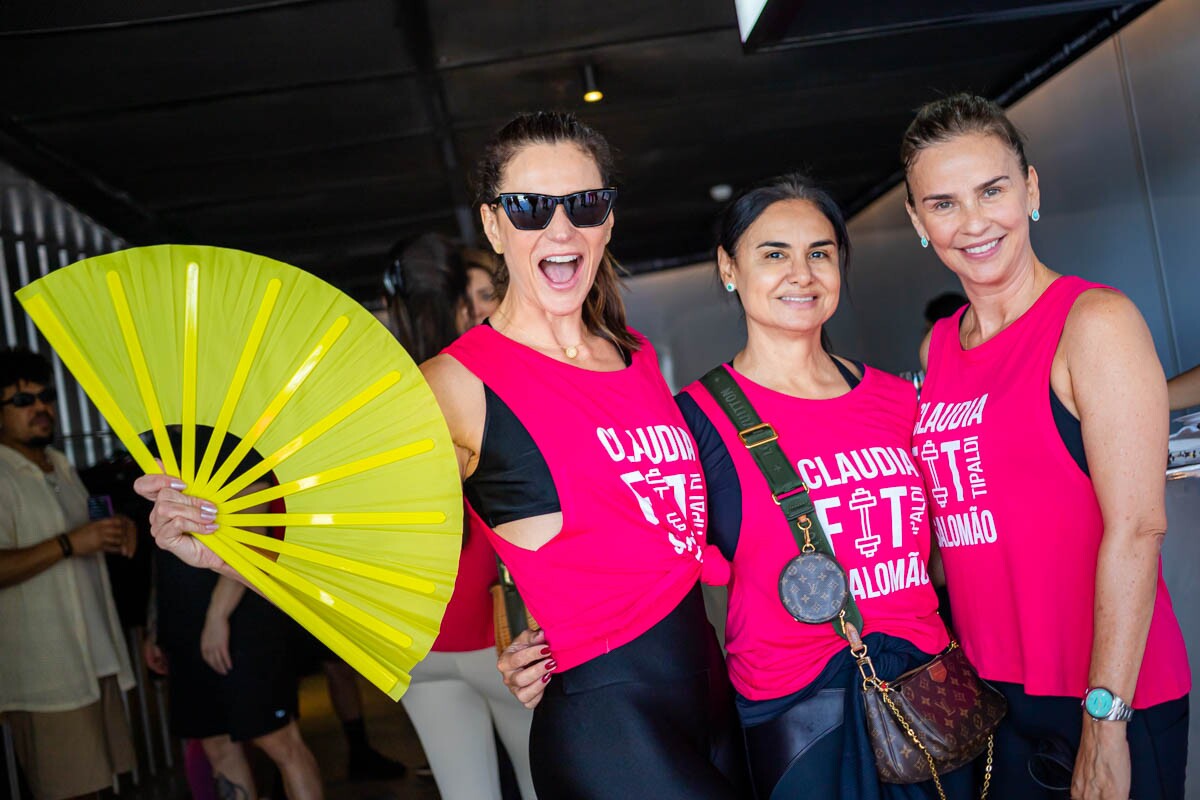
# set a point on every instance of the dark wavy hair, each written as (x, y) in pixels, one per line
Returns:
(22, 364)
(604, 308)
(425, 282)
(749, 204)
(958, 115)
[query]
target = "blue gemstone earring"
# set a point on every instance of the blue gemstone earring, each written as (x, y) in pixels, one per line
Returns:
(729, 287)
(1035, 216)
(924, 242)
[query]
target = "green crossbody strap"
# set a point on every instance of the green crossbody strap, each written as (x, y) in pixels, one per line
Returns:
(787, 488)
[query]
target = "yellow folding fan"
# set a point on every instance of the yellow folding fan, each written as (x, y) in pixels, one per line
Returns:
(308, 379)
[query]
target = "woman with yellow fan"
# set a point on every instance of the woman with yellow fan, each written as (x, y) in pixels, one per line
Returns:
(578, 461)
(280, 363)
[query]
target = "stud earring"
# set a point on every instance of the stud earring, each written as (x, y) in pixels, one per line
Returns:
(729, 287)
(1035, 216)
(924, 242)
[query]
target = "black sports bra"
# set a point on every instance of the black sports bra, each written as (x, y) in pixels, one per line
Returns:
(512, 480)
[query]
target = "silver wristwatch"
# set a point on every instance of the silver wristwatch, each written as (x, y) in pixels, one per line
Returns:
(1102, 704)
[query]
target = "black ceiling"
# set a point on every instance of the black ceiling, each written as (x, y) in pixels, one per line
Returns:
(320, 132)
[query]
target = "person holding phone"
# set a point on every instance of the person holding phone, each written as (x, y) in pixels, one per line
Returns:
(65, 662)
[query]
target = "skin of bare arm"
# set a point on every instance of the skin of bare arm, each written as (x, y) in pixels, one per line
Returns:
(115, 534)
(1183, 390)
(460, 397)
(214, 638)
(1116, 387)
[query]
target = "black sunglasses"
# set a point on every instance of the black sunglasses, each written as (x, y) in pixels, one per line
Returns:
(533, 212)
(23, 399)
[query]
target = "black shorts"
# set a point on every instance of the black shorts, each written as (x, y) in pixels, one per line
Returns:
(653, 718)
(257, 697)
(1037, 741)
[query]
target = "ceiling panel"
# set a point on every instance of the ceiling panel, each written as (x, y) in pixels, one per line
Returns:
(323, 131)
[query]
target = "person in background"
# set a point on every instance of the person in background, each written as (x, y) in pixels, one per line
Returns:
(63, 658)
(940, 307)
(784, 250)
(230, 679)
(456, 697)
(481, 296)
(1041, 433)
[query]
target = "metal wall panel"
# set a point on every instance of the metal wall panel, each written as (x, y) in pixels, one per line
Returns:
(40, 233)
(1097, 218)
(1162, 65)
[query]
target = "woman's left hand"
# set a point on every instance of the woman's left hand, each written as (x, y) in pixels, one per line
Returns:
(1102, 770)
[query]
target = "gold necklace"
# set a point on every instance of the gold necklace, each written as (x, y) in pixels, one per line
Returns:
(571, 351)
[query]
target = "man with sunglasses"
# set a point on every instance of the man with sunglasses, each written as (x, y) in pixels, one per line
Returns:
(63, 660)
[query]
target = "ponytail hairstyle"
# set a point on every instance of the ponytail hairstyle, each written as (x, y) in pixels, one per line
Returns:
(942, 120)
(604, 308)
(425, 282)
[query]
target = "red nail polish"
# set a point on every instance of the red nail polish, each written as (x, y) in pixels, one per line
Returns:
(545, 651)
(546, 677)
(551, 665)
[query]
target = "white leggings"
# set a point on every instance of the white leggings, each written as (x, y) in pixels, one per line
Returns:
(453, 701)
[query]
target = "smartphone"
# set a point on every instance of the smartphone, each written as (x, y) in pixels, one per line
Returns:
(99, 507)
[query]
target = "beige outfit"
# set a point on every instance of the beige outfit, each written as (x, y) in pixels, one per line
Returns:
(59, 631)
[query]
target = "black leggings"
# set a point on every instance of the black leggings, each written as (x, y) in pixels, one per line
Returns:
(1043, 733)
(653, 718)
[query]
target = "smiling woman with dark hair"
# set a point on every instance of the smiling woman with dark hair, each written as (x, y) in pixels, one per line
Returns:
(847, 428)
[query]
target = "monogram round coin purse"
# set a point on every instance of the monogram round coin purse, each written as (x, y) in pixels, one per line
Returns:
(813, 587)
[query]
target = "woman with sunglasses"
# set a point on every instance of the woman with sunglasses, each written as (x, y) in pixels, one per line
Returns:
(845, 430)
(577, 463)
(1042, 429)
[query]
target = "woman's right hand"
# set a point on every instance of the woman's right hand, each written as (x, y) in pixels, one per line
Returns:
(176, 516)
(526, 665)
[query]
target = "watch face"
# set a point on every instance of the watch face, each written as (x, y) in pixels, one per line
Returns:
(1099, 703)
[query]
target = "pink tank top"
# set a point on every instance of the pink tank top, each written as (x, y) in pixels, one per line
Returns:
(467, 624)
(1016, 519)
(853, 454)
(629, 483)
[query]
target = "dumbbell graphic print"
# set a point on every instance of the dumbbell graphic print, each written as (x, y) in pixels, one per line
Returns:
(929, 454)
(862, 501)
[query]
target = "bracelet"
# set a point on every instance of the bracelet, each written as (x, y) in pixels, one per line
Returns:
(64, 542)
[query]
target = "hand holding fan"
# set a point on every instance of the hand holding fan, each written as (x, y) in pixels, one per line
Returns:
(303, 375)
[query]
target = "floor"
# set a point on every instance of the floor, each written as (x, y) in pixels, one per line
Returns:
(388, 729)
